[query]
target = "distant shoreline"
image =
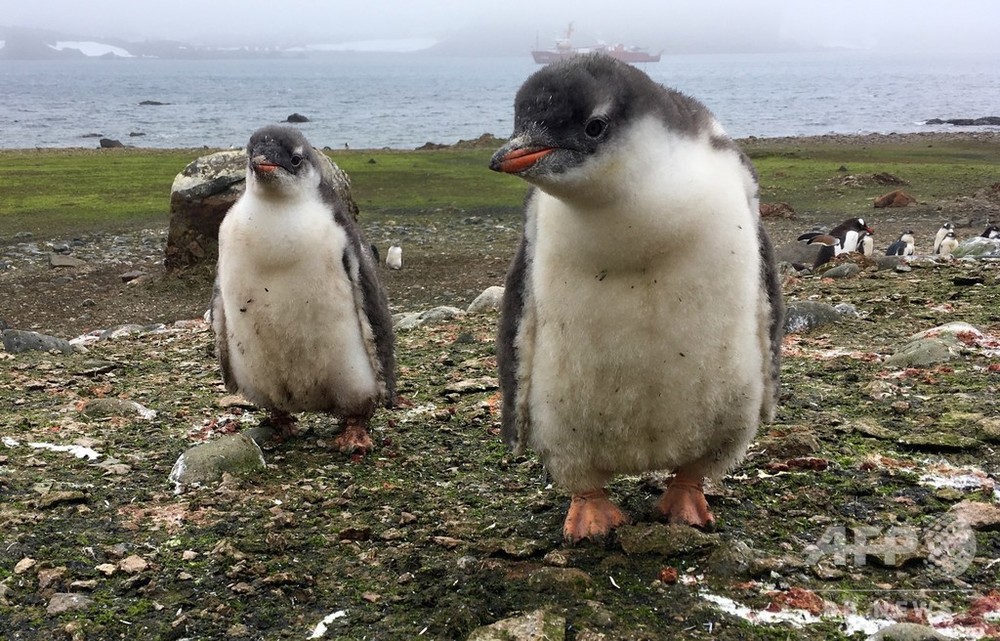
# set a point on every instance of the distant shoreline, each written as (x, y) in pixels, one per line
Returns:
(749, 142)
(991, 136)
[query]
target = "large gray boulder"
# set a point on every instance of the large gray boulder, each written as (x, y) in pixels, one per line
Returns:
(203, 464)
(204, 191)
(17, 341)
(908, 632)
(488, 301)
(797, 253)
(411, 320)
(935, 345)
(977, 247)
(540, 625)
(803, 316)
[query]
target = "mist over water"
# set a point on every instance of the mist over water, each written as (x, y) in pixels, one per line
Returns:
(400, 101)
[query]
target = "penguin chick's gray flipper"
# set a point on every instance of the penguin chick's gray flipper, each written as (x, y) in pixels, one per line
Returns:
(617, 361)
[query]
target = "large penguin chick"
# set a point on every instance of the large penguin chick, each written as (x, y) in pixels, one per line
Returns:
(301, 321)
(641, 321)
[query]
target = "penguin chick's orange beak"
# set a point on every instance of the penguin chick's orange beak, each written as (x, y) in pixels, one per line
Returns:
(520, 159)
(265, 167)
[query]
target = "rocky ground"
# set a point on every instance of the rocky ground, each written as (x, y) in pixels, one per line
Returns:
(871, 499)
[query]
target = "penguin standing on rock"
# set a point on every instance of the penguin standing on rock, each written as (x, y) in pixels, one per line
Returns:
(627, 361)
(301, 321)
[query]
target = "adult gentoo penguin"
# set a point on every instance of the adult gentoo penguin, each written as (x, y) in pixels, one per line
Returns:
(903, 246)
(939, 236)
(301, 321)
(845, 237)
(641, 323)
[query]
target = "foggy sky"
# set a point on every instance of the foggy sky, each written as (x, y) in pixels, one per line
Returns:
(677, 25)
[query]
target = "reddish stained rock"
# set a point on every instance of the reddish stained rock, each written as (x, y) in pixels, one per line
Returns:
(977, 515)
(797, 598)
(897, 198)
(777, 210)
(668, 575)
(803, 463)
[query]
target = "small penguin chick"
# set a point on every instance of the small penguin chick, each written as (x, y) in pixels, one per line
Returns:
(948, 244)
(394, 257)
(301, 321)
(617, 361)
(939, 236)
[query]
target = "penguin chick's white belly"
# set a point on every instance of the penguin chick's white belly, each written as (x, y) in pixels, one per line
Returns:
(297, 339)
(647, 352)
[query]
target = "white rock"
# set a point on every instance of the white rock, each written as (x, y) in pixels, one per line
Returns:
(487, 301)
(436, 315)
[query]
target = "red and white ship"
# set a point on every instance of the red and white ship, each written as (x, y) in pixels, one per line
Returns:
(564, 48)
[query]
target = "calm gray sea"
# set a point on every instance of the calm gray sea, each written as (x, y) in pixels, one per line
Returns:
(403, 101)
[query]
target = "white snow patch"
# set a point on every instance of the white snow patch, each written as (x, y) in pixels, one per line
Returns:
(86, 339)
(144, 411)
(418, 411)
(9, 442)
(955, 481)
(320, 630)
(798, 618)
(76, 450)
(851, 622)
(404, 45)
(93, 49)
(180, 467)
(966, 478)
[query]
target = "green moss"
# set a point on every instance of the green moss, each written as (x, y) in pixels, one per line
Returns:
(81, 190)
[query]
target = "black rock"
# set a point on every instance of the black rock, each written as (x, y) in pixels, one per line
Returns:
(964, 281)
(296, 117)
(153, 103)
(985, 121)
(107, 143)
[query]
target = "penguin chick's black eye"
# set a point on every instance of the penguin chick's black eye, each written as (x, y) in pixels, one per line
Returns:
(595, 127)
(296, 160)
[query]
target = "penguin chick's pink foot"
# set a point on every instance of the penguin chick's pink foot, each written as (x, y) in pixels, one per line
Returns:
(684, 502)
(591, 515)
(354, 439)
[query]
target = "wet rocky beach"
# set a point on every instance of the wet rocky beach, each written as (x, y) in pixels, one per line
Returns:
(872, 500)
